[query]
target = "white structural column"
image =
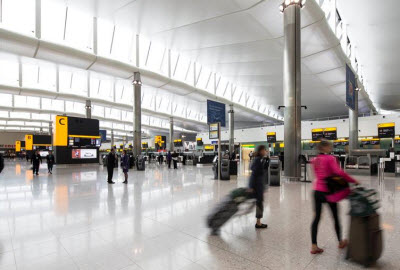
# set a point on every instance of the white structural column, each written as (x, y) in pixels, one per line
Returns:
(137, 114)
(231, 114)
(112, 138)
(292, 86)
(171, 134)
(38, 19)
(353, 124)
(88, 108)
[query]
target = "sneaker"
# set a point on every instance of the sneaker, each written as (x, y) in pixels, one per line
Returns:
(125, 182)
(111, 182)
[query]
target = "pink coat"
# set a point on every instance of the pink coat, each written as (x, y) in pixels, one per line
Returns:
(326, 166)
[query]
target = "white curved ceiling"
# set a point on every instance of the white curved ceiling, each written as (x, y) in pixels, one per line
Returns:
(374, 30)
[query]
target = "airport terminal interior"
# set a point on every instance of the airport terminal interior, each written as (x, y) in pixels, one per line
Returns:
(201, 134)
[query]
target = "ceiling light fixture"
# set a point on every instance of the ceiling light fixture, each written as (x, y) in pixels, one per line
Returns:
(288, 3)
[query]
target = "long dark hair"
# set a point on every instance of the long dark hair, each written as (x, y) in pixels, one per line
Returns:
(259, 149)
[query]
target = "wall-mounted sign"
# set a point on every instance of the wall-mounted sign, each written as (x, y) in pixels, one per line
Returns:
(317, 134)
(84, 153)
(375, 141)
(209, 147)
(248, 145)
(365, 141)
(178, 143)
(341, 142)
(213, 131)
(216, 112)
(145, 145)
(199, 141)
(386, 130)
(271, 137)
(397, 140)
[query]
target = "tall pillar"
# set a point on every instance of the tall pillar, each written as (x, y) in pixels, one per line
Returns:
(231, 115)
(51, 131)
(88, 108)
(112, 139)
(292, 86)
(137, 114)
(353, 125)
(171, 134)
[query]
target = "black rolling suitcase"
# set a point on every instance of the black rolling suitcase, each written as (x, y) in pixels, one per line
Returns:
(228, 207)
(365, 239)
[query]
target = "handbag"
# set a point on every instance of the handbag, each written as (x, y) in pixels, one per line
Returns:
(338, 188)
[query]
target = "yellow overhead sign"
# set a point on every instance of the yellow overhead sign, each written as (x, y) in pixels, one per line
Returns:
(17, 146)
(177, 140)
(317, 130)
(29, 142)
(209, 147)
(330, 129)
(271, 133)
(61, 131)
(385, 125)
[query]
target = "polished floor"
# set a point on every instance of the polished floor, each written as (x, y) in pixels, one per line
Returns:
(74, 220)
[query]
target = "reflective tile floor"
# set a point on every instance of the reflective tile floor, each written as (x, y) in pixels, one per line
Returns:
(74, 220)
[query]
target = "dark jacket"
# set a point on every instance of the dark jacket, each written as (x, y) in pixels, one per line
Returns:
(125, 162)
(111, 158)
(36, 159)
(1, 163)
(169, 156)
(259, 169)
(50, 159)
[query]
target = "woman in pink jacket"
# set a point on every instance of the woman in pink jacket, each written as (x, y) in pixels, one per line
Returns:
(325, 166)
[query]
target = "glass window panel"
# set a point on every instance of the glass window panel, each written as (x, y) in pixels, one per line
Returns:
(35, 124)
(158, 58)
(181, 68)
(73, 81)
(144, 44)
(15, 123)
(123, 92)
(75, 107)
(79, 29)
(205, 79)
(40, 116)
(8, 72)
(122, 45)
(19, 15)
(98, 110)
(6, 100)
(3, 122)
(47, 77)
(104, 36)
(20, 115)
(53, 20)
(30, 74)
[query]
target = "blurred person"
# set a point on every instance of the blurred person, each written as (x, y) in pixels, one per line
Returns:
(326, 165)
(125, 165)
(175, 156)
(1, 162)
(36, 160)
(50, 162)
(169, 159)
(257, 183)
(111, 159)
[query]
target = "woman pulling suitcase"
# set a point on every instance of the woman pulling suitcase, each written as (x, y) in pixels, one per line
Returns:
(326, 166)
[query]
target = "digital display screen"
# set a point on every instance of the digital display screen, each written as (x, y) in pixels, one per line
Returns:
(386, 132)
(83, 142)
(84, 153)
(366, 142)
(330, 135)
(200, 143)
(375, 142)
(337, 143)
(178, 144)
(271, 137)
(144, 145)
(317, 135)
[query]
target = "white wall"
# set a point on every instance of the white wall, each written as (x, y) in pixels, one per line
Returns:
(368, 126)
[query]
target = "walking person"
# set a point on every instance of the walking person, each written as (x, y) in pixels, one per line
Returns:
(111, 159)
(326, 165)
(175, 156)
(169, 159)
(36, 160)
(50, 162)
(125, 165)
(257, 183)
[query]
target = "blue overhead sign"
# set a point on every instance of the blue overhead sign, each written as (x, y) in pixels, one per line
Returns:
(351, 86)
(103, 135)
(216, 112)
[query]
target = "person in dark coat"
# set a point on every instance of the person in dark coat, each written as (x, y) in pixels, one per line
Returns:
(175, 156)
(111, 158)
(36, 160)
(50, 162)
(1, 162)
(169, 159)
(257, 183)
(125, 165)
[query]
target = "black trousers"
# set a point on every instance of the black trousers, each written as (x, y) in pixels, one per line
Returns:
(110, 171)
(50, 167)
(169, 164)
(319, 199)
(36, 168)
(175, 164)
